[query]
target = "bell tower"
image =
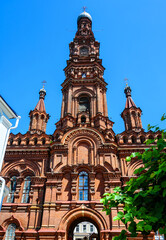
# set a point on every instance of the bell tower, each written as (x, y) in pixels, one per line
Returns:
(84, 89)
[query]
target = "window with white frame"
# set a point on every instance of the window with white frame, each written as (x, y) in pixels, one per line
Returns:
(91, 228)
(84, 228)
(77, 228)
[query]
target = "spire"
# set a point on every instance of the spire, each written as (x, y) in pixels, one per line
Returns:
(40, 105)
(38, 116)
(131, 114)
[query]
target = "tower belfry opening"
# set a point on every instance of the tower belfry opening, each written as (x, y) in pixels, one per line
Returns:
(84, 105)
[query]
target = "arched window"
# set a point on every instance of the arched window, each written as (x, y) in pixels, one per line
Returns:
(151, 137)
(19, 141)
(43, 141)
(27, 141)
(35, 141)
(128, 121)
(11, 141)
(84, 104)
(84, 75)
(83, 186)
(125, 140)
(133, 139)
(13, 184)
(26, 190)
(142, 138)
(10, 233)
(134, 119)
(84, 51)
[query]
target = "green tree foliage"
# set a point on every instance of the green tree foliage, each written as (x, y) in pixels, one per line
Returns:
(144, 197)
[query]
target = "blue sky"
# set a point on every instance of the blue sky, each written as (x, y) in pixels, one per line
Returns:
(34, 46)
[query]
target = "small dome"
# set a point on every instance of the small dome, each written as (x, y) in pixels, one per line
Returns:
(42, 90)
(84, 15)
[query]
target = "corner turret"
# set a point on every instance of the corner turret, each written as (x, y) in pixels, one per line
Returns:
(39, 117)
(131, 114)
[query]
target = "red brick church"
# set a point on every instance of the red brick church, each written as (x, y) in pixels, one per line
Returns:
(56, 181)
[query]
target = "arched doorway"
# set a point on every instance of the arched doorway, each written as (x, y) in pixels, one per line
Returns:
(83, 228)
(80, 214)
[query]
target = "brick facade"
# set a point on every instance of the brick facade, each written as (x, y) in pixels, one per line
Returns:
(53, 201)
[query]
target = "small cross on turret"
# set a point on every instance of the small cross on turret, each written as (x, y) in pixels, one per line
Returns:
(84, 8)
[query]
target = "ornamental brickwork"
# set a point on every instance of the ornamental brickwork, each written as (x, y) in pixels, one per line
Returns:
(56, 181)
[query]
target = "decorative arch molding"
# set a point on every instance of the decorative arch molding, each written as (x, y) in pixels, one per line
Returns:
(133, 166)
(85, 140)
(21, 166)
(66, 169)
(2, 229)
(10, 220)
(13, 172)
(83, 91)
(87, 132)
(100, 169)
(84, 168)
(27, 172)
(80, 212)
(75, 169)
(133, 135)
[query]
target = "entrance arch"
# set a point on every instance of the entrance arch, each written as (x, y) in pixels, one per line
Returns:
(84, 235)
(71, 218)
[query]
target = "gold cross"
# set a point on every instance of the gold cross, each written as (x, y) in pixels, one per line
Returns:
(44, 83)
(126, 80)
(84, 8)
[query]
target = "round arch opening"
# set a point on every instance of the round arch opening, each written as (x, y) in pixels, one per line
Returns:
(83, 228)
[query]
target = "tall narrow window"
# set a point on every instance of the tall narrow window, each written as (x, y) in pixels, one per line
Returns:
(13, 184)
(84, 228)
(83, 186)
(91, 228)
(77, 228)
(26, 190)
(10, 233)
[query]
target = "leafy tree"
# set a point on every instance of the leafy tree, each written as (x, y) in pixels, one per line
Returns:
(144, 197)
